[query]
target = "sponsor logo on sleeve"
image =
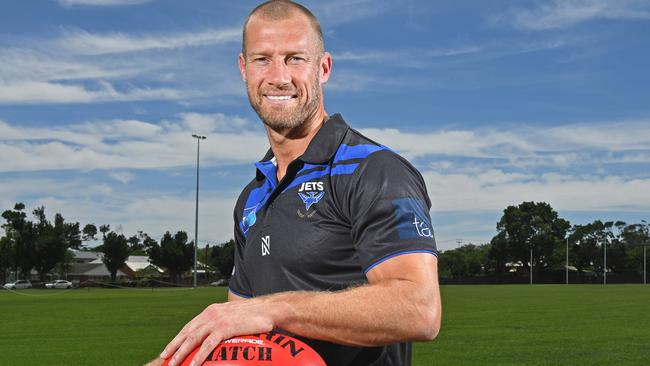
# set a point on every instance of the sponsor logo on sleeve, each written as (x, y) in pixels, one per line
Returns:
(412, 219)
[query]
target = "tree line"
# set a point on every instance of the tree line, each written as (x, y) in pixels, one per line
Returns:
(44, 246)
(537, 226)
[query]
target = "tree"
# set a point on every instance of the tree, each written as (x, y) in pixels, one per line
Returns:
(6, 257)
(52, 241)
(67, 265)
(467, 261)
(116, 251)
(531, 224)
(104, 229)
(21, 235)
(634, 237)
(174, 253)
(223, 257)
(498, 253)
(89, 232)
(137, 244)
(588, 241)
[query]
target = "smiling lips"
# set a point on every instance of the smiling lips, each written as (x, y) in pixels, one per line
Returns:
(279, 98)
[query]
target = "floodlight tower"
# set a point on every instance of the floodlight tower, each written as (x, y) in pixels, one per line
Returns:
(196, 215)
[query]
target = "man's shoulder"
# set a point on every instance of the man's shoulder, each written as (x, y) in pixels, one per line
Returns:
(358, 148)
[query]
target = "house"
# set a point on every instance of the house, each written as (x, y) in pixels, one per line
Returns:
(88, 266)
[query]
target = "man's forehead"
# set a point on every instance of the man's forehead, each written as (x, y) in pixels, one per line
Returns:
(295, 30)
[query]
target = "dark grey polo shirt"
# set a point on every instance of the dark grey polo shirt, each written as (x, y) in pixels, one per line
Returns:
(346, 205)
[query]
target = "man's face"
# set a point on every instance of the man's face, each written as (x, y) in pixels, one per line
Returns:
(283, 70)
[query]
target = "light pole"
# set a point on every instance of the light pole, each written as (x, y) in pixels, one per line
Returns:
(605, 262)
(531, 260)
(196, 215)
(644, 266)
(567, 260)
(531, 264)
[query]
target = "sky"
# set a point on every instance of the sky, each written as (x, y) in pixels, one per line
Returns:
(494, 102)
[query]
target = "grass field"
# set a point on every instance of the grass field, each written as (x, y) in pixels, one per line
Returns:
(482, 325)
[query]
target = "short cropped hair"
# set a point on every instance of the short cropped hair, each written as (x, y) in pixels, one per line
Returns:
(281, 10)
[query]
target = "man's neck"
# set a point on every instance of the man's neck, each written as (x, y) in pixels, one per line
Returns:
(288, 145)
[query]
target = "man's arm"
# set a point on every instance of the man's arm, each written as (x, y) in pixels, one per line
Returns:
(400, 303)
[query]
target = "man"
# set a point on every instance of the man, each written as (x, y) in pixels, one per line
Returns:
(334, 240)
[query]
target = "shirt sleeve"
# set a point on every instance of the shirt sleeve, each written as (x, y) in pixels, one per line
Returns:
(239, 284)
(389, 210)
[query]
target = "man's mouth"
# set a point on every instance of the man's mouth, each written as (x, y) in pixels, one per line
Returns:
(279, 98)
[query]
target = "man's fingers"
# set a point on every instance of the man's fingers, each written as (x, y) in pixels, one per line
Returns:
(190, 343)
(155, 362)
(172, 346)
(208, 345)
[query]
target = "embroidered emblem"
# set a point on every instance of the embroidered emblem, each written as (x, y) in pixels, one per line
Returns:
(310, 198)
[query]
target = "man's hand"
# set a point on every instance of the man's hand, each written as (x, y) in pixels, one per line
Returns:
(218, 322)
(400, 303)
(155, 362)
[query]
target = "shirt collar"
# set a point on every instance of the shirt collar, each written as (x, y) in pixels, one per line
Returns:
(326, 142)
(320, 149)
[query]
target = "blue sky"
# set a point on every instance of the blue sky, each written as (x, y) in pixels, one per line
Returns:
(495, 102)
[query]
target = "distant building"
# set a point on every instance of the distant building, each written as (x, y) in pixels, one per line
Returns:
(88, 266)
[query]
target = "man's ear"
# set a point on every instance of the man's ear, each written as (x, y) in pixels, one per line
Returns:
(242, 66)
(325, 67)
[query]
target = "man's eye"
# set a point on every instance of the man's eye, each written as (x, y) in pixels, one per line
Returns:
(295, 59)
(260, 60)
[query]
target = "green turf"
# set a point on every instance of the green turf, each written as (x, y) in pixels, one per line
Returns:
(482, 325)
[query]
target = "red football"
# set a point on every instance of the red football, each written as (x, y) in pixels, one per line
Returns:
(266, 349)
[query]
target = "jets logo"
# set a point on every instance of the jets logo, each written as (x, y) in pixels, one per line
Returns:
(310, 193)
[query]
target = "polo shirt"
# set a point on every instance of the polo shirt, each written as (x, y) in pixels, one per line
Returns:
(343, 207)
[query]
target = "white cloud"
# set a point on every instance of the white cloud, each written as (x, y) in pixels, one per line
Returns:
(573, 143)
(564, 13)
(119, 146)
(80, 67)
(68, 3)
(39, 92)
(122, 177)
(153, 212)
(128, 144)
(383, 56)
(84, 43)
(29, 64)
(495, 190)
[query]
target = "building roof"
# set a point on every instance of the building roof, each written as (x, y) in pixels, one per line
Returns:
(93, 270)
(84, 256)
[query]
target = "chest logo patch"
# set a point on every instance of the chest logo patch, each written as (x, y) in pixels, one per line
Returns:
(266, 245)
(310, 193)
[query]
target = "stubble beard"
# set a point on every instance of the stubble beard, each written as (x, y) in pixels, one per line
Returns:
(286, 118)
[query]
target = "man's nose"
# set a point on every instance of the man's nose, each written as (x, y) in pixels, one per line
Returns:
(279, 74)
